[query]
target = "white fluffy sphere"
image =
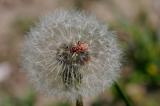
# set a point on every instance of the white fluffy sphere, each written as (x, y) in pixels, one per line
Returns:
(69, 53)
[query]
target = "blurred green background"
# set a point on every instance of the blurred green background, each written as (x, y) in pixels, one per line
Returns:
(137, 24)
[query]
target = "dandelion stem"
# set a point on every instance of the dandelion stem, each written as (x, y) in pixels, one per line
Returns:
(79, 101)
(122, 95)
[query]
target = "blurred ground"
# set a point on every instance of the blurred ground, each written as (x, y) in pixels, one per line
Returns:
(137, 24)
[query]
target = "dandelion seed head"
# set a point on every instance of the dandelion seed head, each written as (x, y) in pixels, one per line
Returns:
(70, 53)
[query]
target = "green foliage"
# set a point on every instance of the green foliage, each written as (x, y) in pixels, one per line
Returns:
(23, 24)
(143, 50)
(28, 100)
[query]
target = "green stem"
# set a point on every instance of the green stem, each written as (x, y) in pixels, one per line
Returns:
(122, 95)
(79, 101)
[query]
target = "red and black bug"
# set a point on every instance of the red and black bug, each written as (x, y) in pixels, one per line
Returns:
(79, 47)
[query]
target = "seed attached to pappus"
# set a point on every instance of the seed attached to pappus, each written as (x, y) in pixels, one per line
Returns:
(73, 56)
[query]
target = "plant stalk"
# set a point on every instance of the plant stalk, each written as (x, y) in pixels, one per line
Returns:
(122, 95)
(79, 101)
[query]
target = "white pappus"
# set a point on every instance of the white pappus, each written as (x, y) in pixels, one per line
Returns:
(70, 53)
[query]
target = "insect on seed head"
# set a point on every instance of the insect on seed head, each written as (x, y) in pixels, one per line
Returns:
(79, 47)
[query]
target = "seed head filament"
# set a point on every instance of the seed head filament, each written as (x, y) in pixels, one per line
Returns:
(73, 57)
